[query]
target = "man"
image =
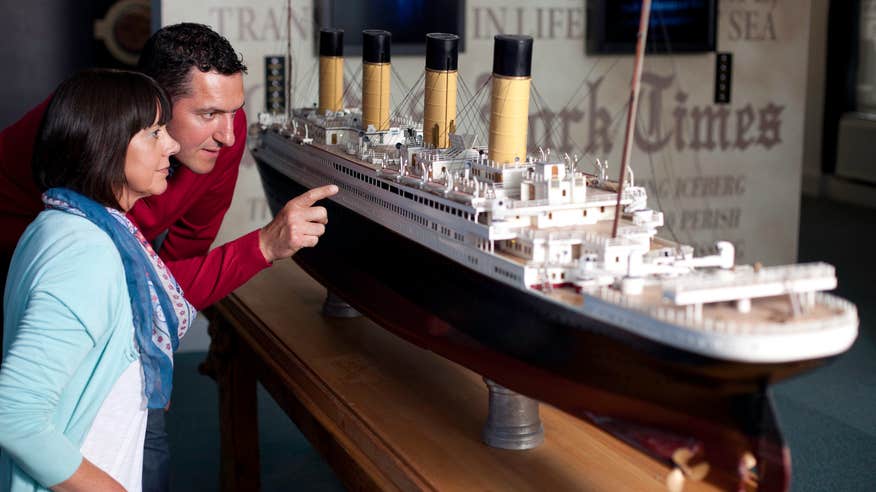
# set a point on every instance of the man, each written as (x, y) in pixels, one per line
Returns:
(204, 79)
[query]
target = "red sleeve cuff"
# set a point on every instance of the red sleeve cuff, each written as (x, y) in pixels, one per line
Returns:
(252, 252)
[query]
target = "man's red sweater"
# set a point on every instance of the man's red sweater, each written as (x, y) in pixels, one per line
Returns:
(191, 210)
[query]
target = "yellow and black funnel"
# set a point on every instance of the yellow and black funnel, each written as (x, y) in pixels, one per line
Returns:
(331, 69)
(439, 105)
(375, 78)
(509, 106)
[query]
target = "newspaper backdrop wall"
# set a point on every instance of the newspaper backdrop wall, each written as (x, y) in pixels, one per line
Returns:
(729, 171)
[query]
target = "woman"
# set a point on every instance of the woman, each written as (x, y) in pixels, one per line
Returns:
(91, 315)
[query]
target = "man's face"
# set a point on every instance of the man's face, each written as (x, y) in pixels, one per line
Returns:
(203, 119)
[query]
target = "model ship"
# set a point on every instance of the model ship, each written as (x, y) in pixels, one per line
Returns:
(513, 265)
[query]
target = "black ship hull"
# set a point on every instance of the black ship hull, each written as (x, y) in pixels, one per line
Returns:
(656, 397)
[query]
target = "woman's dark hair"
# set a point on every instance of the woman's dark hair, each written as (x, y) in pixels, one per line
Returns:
(172, 51)
(85, 132)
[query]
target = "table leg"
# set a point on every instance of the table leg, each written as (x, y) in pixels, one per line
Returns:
(230, 362)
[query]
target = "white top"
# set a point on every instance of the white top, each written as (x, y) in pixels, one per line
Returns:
(115, 441)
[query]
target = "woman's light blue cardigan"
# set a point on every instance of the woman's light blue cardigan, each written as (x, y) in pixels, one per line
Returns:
(68, 336)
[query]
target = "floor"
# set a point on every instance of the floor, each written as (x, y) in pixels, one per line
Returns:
(828, 416)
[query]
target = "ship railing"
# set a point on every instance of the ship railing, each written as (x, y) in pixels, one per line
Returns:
(587, 200)
(528, 203)
(632, 230)
(378, 157)
(336, 122)
(583, 236)
(844, 313)
(766, 274)
(769, 281)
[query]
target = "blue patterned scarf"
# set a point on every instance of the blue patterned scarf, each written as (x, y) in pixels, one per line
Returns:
(161, 314)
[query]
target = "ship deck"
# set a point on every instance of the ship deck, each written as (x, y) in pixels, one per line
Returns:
(338, 151)
(773, 310)
(600, 228)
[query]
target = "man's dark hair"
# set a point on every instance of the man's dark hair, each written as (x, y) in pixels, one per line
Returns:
(84, 135)
(172, 51)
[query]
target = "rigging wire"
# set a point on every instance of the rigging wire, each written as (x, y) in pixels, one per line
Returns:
(470, 117)
(467, 96)
(554, 131)
(398, 79)
(568, 104)
(307, 84)
(354, 83)
(408, 97)
(473, 117)
(467, 107)
(587, 79)
(614, 121)
(666, 223)
(404, 90)
(464, 87)
(468, 113)
(667, 158)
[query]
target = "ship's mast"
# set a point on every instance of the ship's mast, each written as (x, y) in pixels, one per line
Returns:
(288, 62)
(631, 113)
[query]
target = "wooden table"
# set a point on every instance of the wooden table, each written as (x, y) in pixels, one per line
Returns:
(385, 414)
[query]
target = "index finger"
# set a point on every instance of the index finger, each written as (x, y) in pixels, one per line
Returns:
(311, 196)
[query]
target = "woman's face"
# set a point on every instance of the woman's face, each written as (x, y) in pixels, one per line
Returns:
(147, 164)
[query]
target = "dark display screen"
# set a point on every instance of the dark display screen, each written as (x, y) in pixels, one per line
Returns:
(675, 26)
(408, 20)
